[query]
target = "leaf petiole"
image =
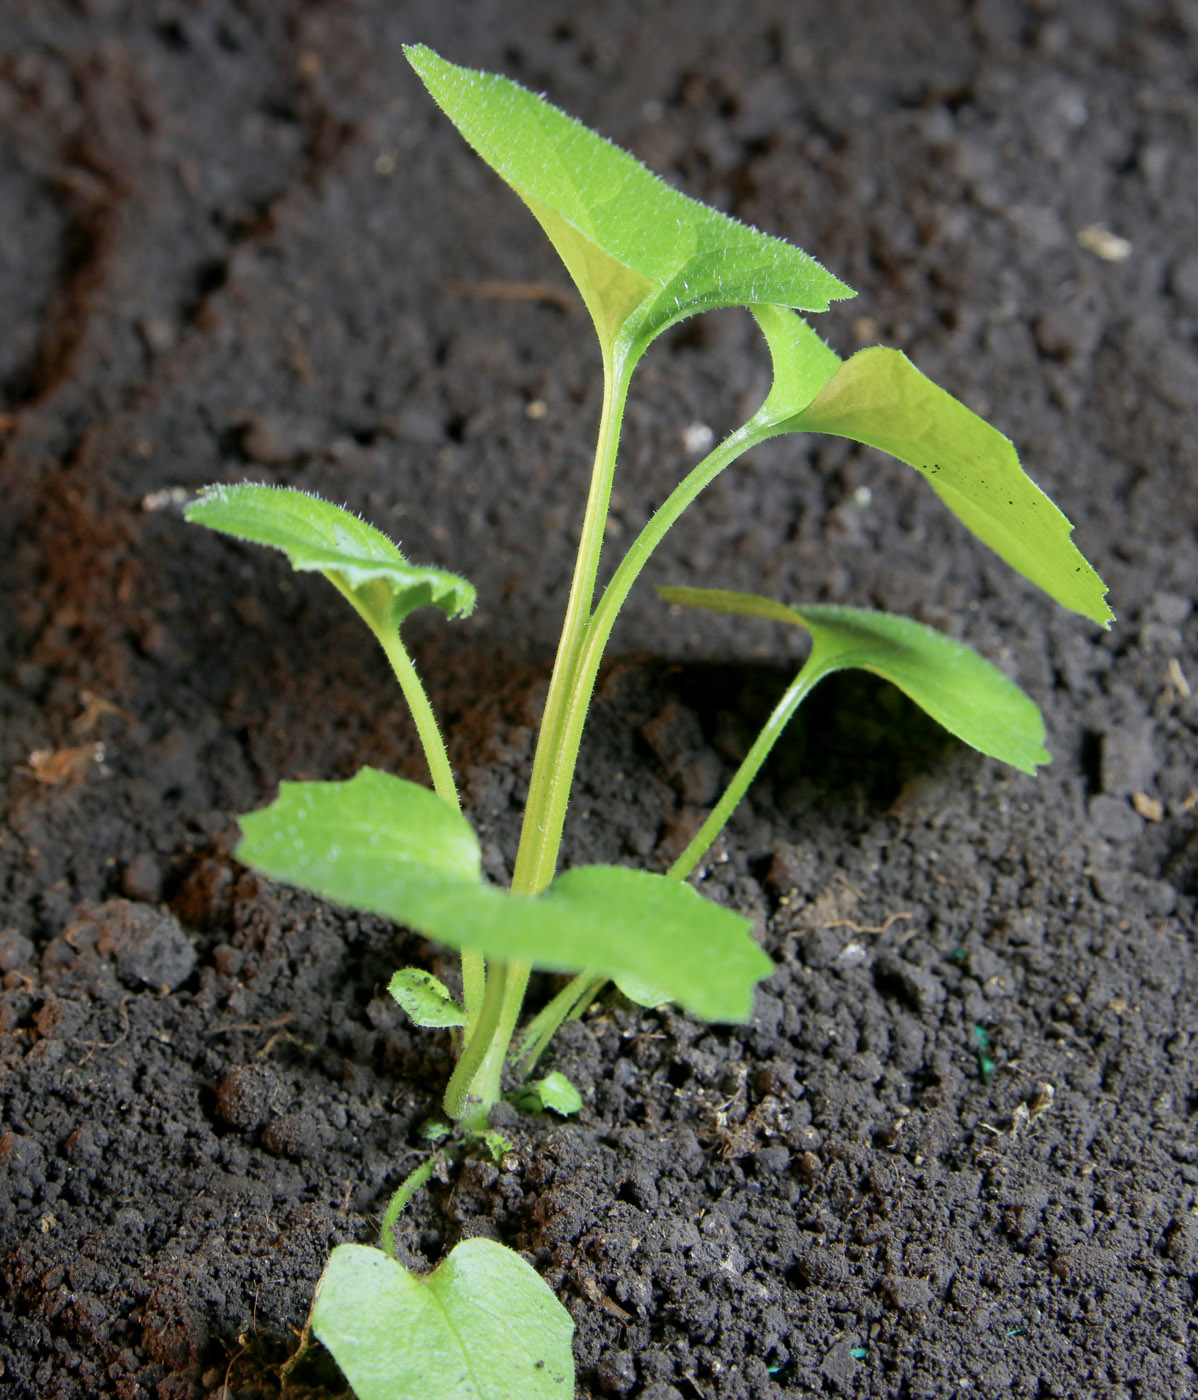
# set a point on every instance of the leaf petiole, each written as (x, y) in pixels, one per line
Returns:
(404, 1192)
(582, 990)
(509, 980)
(427, 728)
(567, 1005)
(474, 970)
(812, 672)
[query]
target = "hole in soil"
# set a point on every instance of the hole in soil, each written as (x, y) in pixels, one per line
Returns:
(174, 36)
(894, 988)
(679, 1074)
(759, 866)
(210, 277)
(1091, 761)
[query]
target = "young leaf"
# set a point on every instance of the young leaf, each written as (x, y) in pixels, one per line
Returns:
(960, 689)
(879, 398)
(497, 1145)
(426, 998)
(482, 1326)
(360, 561)
(392, 847)
(641, 254)
(557, 1093)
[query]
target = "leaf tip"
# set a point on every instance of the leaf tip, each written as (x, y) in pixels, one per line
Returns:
(418, 55)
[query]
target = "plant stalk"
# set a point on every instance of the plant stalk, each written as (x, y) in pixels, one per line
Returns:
(597, 632)
(427, 729)
(476, 1081)
(812, 672)
(461, 1101)
(406, 1189)
(568, 696)
(593, 638)
(569, 1003)
(474, 975)
(578, 993)
(487, 1082)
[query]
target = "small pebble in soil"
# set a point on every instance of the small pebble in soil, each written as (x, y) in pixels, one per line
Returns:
(907, 1293)
(1129, 760)
(15, 950)
(292, 1135)
(148, 945)
(244, 1096)
(142, 879)
(1114, 818)
(616, 1372)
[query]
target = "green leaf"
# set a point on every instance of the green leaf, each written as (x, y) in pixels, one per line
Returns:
(961, 690)
(386, 845)
(375, 829)
(497, 1145)
(482, 1326)
(426, 998)
(642, 255)
(360, 561)
(557, 1093)
(640, 992)
(879, 398)
(802, 363)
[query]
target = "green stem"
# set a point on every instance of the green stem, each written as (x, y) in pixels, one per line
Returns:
(474, 974)
(477, 1079)
(486, 1085)
(422, 712)
(655, 528)
(812, 672)
(403, 1194)
(595, 638)
(567, 699)
(459, 1098)
(563, 1007)
(577, 994)
(570, 718)
(580, 650)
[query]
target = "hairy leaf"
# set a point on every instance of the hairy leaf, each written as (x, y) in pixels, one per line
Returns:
(360, 561)
(802, 363)
(426, 998)
(879, 398)
(961, 690)
(497, 1145)
(642, 255)
(482, 1326)
(392, 847)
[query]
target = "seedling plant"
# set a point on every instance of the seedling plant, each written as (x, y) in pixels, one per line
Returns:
(643, 257)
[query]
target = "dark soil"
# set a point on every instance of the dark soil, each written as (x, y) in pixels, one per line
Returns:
(955, 1153)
